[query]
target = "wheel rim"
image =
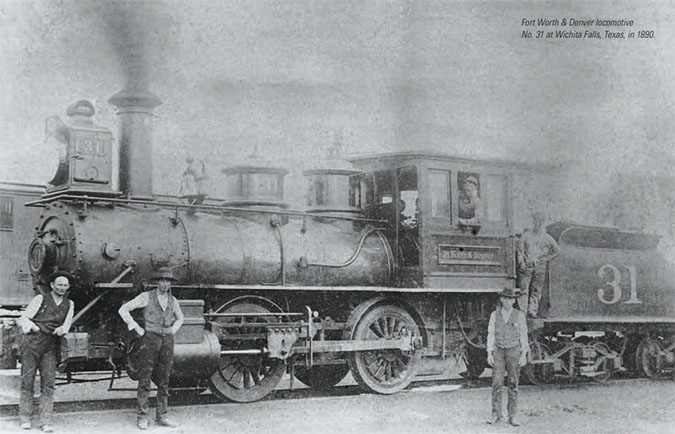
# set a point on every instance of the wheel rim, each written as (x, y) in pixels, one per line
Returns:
(384, 371)
(648, 357)
(540, 373)
(602, 349)
(251, 377)
(321, 377)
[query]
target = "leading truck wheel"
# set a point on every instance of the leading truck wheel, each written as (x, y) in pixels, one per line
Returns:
(251, 377)
(321, 377)
(384, 371)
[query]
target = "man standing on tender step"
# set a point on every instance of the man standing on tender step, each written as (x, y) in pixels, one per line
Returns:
(46, 318)
(535, 250)
(163, 318)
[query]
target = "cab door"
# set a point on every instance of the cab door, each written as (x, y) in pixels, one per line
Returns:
(393, 195)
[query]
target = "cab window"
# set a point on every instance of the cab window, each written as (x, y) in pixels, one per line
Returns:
(495, 193)
(439, 188)
(408, 216)
(6, 214)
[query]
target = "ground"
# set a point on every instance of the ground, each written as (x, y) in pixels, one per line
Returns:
(616, 407)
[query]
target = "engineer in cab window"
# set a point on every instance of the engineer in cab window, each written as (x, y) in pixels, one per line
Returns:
(469, 201)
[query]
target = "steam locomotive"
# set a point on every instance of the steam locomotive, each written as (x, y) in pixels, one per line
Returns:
(379, 272)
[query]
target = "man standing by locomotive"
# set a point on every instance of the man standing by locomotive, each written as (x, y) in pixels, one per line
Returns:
(507, 349)
(163, 317)
(535, 250)
(46, 318)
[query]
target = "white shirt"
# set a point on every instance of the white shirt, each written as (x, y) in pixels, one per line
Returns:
(25, 320)
(141, 301)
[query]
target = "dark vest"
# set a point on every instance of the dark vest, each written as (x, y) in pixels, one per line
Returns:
(156, 319)
(507, 335)
(50, 315)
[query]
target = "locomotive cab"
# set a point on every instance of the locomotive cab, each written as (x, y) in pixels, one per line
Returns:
(449, 219)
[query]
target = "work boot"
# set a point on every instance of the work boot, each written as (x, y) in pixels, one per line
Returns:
(166, 422)
(143, 424)
(514, 421)
(494, 420)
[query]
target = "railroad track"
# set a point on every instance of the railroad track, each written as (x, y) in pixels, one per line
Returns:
(185, 398)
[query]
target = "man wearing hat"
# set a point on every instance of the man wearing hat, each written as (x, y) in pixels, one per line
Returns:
(535, 250)
(507, 349)
(162, 318)
(46, 318)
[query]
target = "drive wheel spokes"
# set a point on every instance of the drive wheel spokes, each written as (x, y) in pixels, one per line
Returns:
(384, 371)
(245, 377)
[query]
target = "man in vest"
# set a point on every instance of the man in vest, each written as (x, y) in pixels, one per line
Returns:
(163, 318)
(507, 349)
(46, 318)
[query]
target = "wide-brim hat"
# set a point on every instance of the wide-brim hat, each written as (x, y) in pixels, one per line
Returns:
(510, 292)
(163, 273)
(52, 277)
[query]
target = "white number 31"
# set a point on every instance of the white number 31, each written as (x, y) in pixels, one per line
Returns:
(615, 276)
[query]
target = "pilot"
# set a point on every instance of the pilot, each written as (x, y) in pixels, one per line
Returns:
(535, 250)
(469, 201)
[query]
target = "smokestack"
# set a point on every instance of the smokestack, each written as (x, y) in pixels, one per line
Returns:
(135, 109)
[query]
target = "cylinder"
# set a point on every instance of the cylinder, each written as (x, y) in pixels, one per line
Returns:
(196, 360)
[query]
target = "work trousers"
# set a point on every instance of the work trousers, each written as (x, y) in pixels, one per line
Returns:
(531, 283)
(38, 352)
(505, 360)
(155, 360)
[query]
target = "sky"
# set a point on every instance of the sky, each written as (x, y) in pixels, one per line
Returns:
(289, 79)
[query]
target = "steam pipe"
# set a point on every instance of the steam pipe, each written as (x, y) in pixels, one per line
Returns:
(351, 259)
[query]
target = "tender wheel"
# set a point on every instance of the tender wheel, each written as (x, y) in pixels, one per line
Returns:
(604, 371)
(245, 378)
(538, 373)
(386, 371)
(647, 355)
(321, 377)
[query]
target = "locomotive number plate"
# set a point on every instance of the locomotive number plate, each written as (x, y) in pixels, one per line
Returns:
(453, 254)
